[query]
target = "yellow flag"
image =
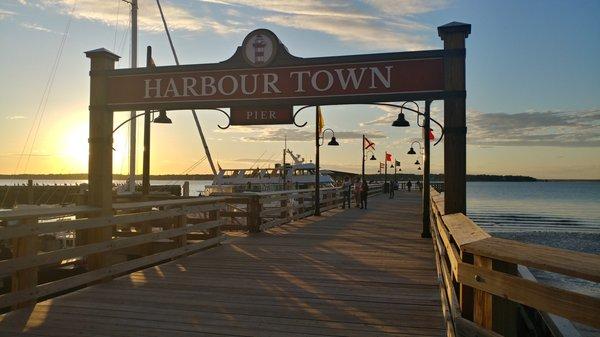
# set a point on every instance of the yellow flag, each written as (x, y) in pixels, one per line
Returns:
(320, 119)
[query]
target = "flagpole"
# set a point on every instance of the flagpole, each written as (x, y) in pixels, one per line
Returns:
(317, 180)
(385, 172)
(317, 171)
(363, 158)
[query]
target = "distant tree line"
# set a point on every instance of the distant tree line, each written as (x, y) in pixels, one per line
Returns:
(335, 174)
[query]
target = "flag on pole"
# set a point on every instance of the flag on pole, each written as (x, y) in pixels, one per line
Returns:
(367, 144)
(321, 123)
(388, 156)
(397, 163)
(431, 135)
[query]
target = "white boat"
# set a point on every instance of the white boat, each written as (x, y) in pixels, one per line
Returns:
(298, 175)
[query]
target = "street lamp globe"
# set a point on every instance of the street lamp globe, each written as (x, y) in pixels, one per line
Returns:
(162, 118)
(401, 121)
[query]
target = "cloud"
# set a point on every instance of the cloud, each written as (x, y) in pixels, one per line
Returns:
(391, 113)
(563, 128)
(34, 26)
(178, 18)
(5, 13)
(15, 117)
(279, 134)
(372, 24)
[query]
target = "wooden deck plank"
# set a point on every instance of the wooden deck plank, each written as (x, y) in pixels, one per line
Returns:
(348, 273)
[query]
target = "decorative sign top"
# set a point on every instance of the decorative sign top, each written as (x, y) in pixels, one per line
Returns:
(262, 73)
(260, 47)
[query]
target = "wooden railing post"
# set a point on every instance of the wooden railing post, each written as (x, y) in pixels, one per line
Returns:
(505, 313)
(455, 144)
(180, 221)
(212, 216)
(482, 301)
(25, 278)
(254, 209)
(465, 292)
(284, 203)
(100, 152)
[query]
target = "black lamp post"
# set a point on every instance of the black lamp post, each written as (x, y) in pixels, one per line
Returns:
(320, 140)
(161, 119)
(427, 137)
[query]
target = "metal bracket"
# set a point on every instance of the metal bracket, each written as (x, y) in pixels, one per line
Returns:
(226, 115)
(296, 113)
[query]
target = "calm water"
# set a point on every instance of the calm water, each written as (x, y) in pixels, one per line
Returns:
(497, 206)
(535, 206)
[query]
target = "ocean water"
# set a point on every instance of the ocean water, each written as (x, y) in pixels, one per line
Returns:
(559, 206)
(499, 207)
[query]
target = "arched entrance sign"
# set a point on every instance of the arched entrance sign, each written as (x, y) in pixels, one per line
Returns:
(262, 82)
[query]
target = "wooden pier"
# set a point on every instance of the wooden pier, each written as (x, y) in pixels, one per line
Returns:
(348, 273)
(145, 270)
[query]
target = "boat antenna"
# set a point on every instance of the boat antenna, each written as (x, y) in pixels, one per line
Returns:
(206, 150)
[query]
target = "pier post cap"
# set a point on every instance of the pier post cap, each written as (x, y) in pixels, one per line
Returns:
(102, 52)
(454, 27)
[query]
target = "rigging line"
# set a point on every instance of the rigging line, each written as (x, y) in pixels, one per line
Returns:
(189, 169)
(37, 113)
(53, 76)
(268, 159)
(196, 120)
(257, 159)
(124, 39)
(117, 24)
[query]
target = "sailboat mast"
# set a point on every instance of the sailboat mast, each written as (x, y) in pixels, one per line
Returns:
(132, 129)
(196, 120)
(284, 168)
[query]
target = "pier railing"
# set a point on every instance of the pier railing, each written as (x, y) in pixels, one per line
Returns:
(480, 285)
(257, 211)
(137, 235)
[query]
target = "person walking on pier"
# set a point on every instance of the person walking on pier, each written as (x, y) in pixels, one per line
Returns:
(357, 186)
(393, 185)
(347, 191)
(364, 193)
(408, 185)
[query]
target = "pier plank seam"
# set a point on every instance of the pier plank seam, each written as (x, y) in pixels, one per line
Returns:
(349, 273)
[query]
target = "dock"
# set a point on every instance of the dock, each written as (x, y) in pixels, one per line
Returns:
(347, 273)
(166, 268)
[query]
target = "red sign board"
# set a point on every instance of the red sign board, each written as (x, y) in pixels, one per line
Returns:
(263, 73)
(262, 116)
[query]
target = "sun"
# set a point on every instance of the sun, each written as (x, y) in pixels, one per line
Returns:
(74, 147)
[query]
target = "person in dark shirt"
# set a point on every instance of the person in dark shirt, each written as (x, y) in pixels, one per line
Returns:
(364, 193)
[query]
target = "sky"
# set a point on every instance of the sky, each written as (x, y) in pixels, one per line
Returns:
(533, 81)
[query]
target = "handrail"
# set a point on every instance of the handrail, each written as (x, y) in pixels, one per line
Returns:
(105, 246)
(257, 211)
(18, 214)
(483, 269)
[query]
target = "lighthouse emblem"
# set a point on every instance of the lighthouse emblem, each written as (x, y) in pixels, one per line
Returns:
(259, 48)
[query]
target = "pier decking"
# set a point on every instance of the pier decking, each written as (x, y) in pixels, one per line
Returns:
(348, 273)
